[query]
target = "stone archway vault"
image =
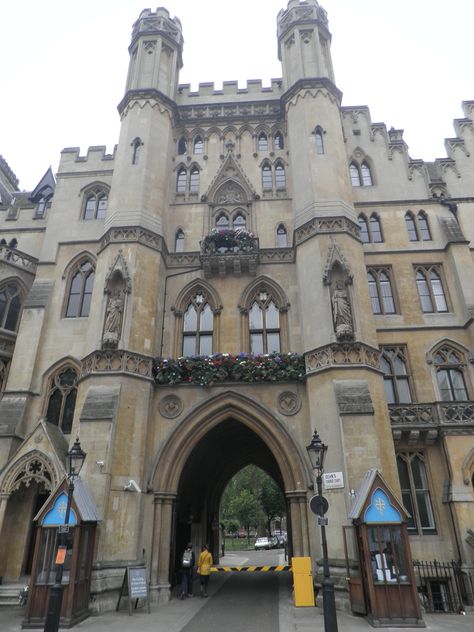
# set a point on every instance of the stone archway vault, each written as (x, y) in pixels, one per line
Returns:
(172, 456)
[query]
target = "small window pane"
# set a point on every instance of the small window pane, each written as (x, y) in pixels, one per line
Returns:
(272, 316)
(438, 293)
(424, 293)
(279, 141)
(280, 179)
(13, 314)
(375, 229)
(387, 297)
(373, 292)
(206, 320)
(424, 227)
(255, 317)
(319, 142)
(411, 228)
(194, 181)
(54, 407)
(198, 145)
(366, 175)
(69, 412)
(190, 319)
(282, 237)
(262, 142)
(179, 241)
(239, 222)
(89, 211)
(354, 174)
(205, 345)
(72, 306)
(408, 504)
(267, 179)
(189, 346)
(273, 342)
(404, 395)
(459, 388)
(182, 146)
(181, 181)
(364, 230)
(222, 221)
(389, 390)
(102, 207)
(425, 510)
(256, 343)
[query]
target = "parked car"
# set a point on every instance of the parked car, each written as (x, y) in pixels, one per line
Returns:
(262, 544)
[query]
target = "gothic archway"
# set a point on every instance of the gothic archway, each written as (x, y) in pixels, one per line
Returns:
(206, 449)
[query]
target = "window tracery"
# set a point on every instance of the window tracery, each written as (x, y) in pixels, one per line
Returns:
(397, 379)
(95, 203)
(430, 289)
(79, 295)
(61, 398)
(10, 306)
(451, 366)
(380, 290)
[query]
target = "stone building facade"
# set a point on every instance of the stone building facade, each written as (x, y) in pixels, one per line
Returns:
(242, 221)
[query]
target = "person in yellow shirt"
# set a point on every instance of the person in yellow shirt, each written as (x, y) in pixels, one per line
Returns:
(204, 569)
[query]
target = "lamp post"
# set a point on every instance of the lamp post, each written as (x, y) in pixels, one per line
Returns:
(74, 460)
(317, 452)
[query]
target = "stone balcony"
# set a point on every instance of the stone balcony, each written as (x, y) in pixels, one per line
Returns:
(424, 423)
(228, 251)
(18, 259)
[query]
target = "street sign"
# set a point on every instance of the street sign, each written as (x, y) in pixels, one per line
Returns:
(323, 522)
(318, 505)
(333, 480)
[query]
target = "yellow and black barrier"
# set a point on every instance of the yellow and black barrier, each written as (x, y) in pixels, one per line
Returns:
(249, 569)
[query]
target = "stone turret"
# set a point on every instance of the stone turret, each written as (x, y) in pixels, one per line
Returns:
(304, 42)
(141, 177)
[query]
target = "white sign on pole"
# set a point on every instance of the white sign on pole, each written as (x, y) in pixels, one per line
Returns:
(333, 480)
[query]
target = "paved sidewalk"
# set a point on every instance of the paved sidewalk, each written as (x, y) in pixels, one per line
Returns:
(176, 614)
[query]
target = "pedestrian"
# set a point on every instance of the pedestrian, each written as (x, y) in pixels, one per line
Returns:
(204, 569)
(187, 568)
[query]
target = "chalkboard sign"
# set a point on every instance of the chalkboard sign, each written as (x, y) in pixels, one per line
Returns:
(134, 586)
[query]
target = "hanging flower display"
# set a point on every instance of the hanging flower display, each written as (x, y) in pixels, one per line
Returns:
(225, 240)
(223, 367)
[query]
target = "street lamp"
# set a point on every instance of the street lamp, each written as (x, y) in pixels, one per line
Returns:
(74, 460)
(317, 452)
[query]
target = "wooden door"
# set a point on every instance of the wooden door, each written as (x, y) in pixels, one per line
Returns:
(354, 576)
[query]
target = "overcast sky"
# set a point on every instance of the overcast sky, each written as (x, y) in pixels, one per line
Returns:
(63, 66)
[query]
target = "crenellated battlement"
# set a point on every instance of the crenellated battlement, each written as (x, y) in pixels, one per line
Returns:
(159, 21)
(95, 156)
(8, 172)
(253, 89)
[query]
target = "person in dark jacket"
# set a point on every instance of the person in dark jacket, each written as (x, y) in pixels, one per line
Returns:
(187, 567)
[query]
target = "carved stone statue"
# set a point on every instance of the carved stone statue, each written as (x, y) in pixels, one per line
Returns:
(342, 313)
(113, 322)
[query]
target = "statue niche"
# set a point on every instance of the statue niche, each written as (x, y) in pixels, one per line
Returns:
(342, 312)
(116, 289)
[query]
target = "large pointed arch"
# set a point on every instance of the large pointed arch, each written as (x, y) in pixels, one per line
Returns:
(175, 451)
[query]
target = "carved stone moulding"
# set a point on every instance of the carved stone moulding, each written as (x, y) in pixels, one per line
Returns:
(170, 406)
(289, 403)
(119, 361)
(133, 234)
(338, 355)
(326, 225)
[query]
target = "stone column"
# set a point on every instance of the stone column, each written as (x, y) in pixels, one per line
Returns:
(161, 546)
(297, 501)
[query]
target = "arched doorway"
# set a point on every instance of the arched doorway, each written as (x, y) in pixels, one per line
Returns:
(194, 465)
(24, 487)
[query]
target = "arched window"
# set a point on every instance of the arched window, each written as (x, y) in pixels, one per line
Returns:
(393, 363)
(179, 241)
(423, 226)
(239, 221)
(181, 180)
(267, 179)
(364, 229)
(41, 207)
(222, 221)
(10, 306)
(380, 291)
(318, 139)
(282, 237)
(62, 399)
(280, 178)
(80, 290)
(366, 175)
(198, 325)
(375, 229)
(182, 146)
(354, 175)
(415, 492)
(198, 145)
(136, 148)
(411, 226)
(95, 205)
(264, 324)
(450, 365)
(430, 289)
(194, 180)
(279, 143)
(262, 142)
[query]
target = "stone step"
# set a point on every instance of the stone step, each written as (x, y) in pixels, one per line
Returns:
(9, 594)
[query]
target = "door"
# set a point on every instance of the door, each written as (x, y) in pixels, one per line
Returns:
(354, 577)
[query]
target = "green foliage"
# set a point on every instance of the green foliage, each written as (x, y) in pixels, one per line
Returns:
(253, 499)
(223, 367)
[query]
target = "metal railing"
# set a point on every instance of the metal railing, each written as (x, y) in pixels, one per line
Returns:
(440, 585)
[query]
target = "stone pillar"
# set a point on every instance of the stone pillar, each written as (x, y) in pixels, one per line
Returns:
(298, 502)
(161, 546)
